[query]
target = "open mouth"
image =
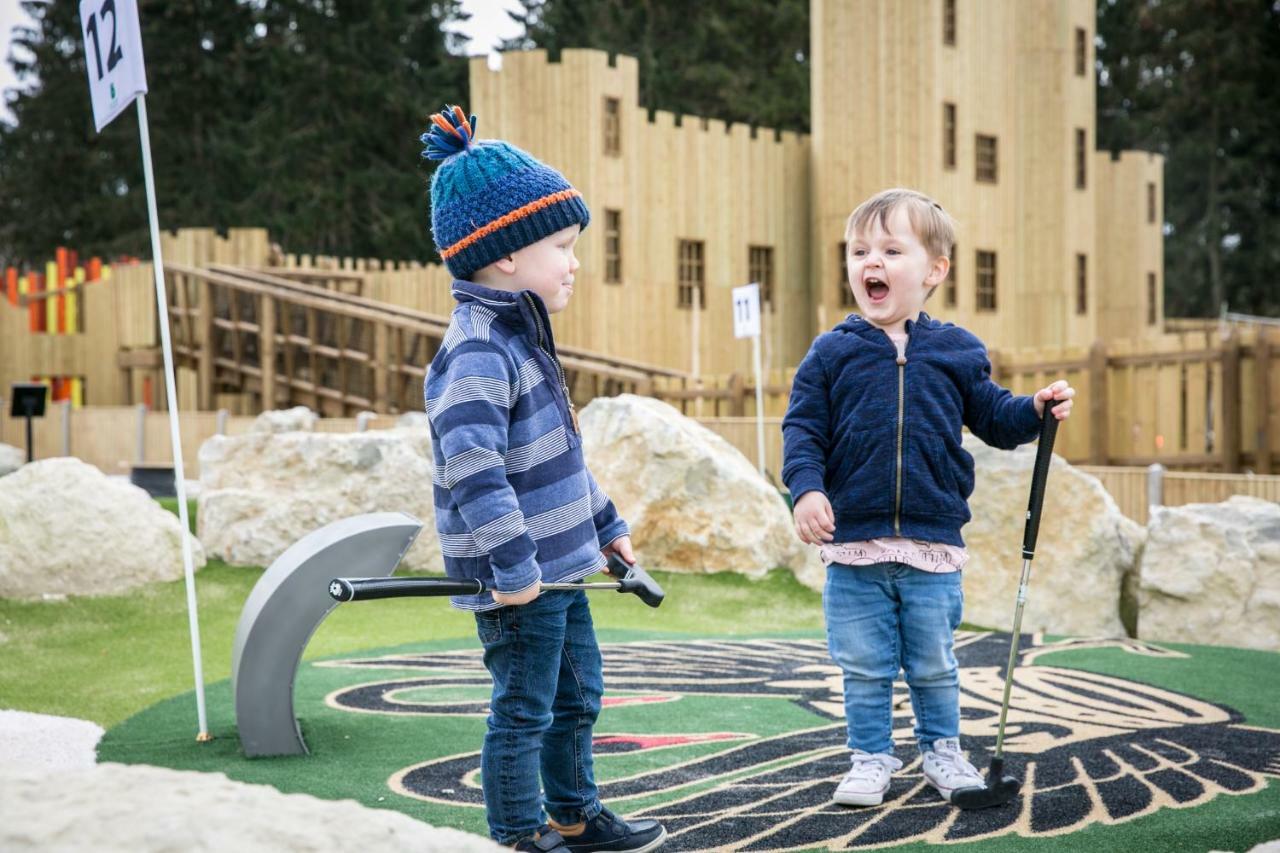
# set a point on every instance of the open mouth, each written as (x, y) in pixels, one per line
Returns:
(877, 288)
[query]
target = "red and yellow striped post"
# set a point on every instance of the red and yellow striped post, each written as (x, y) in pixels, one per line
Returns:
(76, 283)
(94, 271)
(64, 272)
(35, 311)
(51, 283)
(77, 392)
(11, 285)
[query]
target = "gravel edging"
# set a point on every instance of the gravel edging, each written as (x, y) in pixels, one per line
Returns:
(54, 797)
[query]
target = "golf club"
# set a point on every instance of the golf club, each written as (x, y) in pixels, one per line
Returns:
(633, 579)
(1000, 788)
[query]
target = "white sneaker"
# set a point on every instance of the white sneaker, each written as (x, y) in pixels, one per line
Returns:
(947, 770)
(867, 780)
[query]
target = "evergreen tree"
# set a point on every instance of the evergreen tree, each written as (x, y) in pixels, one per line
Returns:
(1195, 81)
(299, 116)
(738, 60)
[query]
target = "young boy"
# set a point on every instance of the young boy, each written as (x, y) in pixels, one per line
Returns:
(515, 504)
(872, 456)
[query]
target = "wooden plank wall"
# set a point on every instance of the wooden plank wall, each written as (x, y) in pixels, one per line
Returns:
(1010, 74)
(673, 178)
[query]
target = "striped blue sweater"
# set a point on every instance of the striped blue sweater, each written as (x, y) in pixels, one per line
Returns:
(515, 504)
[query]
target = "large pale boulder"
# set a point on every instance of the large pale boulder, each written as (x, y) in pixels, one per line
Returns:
(1085, 549)
(141, 809)
(11, 459)
(263, 491)
(1210, 573)
(68, 529)
(297, 419)
(694, 503)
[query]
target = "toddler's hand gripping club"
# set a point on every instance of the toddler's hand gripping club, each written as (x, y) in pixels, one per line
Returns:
(1000, 789)
(632, 579)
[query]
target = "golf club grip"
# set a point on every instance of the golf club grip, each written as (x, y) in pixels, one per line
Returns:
(1039, 476)
(368, 589)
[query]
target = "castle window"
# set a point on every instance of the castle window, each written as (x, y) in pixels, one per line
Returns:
(986, 166)
(951, 285)
(1082, 157)
(949, 136)
(1082, 284)
(842, 286)
(612, 127)
(613, 246)
(760, 270)
(985, 274)
(949, 22)
(691, 275)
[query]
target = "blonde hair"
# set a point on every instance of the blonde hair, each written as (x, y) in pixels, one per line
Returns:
(933, 226)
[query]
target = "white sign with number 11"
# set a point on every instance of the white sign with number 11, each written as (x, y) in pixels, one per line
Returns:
(113, 56)
(746, 324)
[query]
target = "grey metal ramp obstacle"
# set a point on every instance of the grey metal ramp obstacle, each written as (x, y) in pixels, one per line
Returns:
(284, 609)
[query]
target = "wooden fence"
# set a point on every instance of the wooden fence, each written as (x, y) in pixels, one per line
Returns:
(1193, 400)
(343, 336)
(288, 342)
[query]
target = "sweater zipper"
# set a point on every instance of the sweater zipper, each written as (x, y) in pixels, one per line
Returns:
(902, 379)
(564, 386)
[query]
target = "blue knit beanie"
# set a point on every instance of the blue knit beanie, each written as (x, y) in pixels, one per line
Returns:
(489, 198)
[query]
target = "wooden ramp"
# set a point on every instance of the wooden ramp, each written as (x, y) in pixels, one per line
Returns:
(288, 341)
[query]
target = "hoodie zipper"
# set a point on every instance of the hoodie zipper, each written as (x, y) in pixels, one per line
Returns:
(902, 380)
(564, 386)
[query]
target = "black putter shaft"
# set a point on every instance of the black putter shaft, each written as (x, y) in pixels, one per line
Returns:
(632, 579)
(1001, 789)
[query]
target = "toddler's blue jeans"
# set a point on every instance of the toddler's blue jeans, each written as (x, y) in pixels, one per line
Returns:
(888, 617)
(547, 684)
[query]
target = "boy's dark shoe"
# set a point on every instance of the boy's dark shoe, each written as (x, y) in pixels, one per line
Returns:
(548, 841)
(608, 833)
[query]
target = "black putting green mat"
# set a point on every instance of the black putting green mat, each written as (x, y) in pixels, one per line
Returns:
(737, 744)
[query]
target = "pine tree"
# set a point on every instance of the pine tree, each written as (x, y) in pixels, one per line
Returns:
(738, 60)
(1194, 80)
(299, 116)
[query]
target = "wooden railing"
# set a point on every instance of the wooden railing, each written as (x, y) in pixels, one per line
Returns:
(288, 342)
(1190, 401)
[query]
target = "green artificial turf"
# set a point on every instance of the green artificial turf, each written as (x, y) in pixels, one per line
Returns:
(351, 757)
(106, 658)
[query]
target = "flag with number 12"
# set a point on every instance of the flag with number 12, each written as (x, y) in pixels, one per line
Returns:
(113, 56)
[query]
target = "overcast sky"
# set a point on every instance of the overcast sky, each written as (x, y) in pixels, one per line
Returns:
(488, 26)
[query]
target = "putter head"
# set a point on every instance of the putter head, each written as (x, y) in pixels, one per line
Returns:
(635, 579)
(1000, 789)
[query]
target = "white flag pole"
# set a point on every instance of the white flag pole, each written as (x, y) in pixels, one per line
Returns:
(117, 76)
(179, 475)
(755, 354)
(746, 324)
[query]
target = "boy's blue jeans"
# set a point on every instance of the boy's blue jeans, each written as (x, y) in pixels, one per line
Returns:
(888, 617)
(547, 683)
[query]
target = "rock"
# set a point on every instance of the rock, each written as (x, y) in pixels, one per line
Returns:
(1211, 574)
(46, 743)
(263, 491)
(413, 420)
(11, 459)
(694, 503)
(116, 807)
(1085, 548)
(68, 529)
(297, 419)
